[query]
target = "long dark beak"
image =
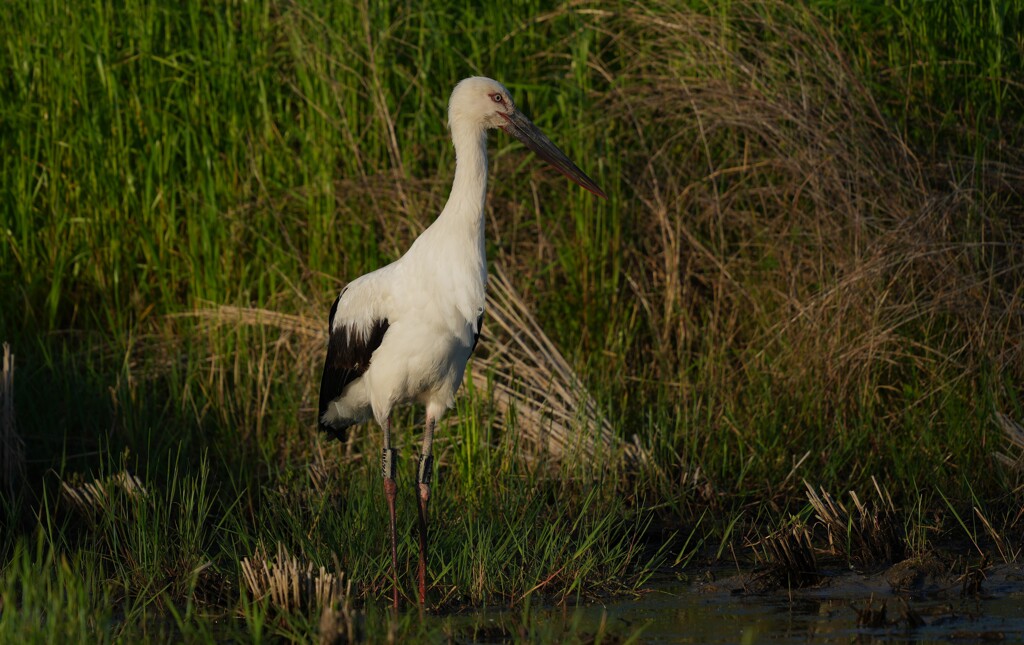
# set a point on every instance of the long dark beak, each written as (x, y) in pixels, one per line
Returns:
(523, 129)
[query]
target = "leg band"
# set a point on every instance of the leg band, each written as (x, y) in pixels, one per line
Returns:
(387, 463)
(426, 469)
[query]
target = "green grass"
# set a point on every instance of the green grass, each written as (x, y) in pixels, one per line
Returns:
(808, 268)
(948, 73)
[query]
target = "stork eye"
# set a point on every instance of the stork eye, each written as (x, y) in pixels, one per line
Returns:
(498, 98)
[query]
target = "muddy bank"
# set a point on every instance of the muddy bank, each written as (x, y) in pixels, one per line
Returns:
(918, 599)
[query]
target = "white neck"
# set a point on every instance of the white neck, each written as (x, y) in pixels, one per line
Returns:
(459, 229)
(469, 190)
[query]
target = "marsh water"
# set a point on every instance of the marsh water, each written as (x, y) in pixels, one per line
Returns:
(844, 608)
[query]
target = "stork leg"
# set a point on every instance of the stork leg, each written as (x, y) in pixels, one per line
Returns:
(423, 476)
(388, 459)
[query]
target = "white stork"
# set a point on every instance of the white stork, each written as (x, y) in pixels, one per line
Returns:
(403, 333)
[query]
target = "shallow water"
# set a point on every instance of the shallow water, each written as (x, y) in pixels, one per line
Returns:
(830, 613)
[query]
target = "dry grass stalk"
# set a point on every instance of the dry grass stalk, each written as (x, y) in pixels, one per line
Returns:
(322, 476)
(12, 448)
(294, 342)
(222, 314)
(869, 537)
(1006, 550)
(790, 555)
(1015, 435)
(750, 163)
(338, 624)
(92, 498)
(534, 383)
(790, 231)
(293, 586)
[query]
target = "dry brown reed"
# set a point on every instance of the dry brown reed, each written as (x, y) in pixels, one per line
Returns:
(869, 535)
(534, 389)
(1014, 434)
(91, 498)
(783, 228)
(789, 554)
(1008, 551)
(293, 586)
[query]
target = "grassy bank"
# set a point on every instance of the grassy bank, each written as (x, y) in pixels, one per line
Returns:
(809, 269)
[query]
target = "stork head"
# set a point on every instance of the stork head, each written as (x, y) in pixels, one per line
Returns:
(487, 104)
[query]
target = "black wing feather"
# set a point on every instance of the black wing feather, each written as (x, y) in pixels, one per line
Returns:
(479, 328)
(348, 357)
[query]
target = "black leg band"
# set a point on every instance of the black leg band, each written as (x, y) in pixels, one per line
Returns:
(426, 469)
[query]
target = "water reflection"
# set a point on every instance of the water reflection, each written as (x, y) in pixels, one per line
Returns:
(848, 609)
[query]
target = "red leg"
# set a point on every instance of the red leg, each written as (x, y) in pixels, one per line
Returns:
(423, 496)
(390, 492)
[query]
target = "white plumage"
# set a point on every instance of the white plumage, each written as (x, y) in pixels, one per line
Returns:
(431, 331)
(403, 333)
